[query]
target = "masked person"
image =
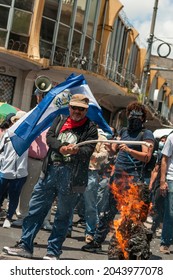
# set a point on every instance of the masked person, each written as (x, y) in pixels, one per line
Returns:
(166, 190)
(128, 167)
(64, 175)
(157, 211)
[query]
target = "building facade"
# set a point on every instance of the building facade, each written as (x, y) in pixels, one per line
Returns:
(55, 38)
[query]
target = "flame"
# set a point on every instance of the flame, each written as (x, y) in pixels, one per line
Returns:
(131, 209)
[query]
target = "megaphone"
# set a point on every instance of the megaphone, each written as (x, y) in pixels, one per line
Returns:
(43, 83)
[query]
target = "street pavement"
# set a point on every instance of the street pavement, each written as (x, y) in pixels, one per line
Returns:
(71, 247)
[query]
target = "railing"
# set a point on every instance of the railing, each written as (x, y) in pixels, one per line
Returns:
(111, 69)
(17, 46)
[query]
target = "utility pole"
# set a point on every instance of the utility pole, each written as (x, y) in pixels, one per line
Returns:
(146, 69)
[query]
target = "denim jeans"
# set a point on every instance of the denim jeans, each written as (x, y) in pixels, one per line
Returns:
(90, 198)
(107, 216)
(167, 231)
(13, 188)
(56, 183)
(103, 195)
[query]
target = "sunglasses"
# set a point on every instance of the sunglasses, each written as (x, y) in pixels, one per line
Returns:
(81, 109)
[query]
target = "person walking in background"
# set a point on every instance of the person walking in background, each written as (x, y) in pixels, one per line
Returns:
(99, 156)
(166, 189)
(13, 172)
(36, 154)
(105, 173)
(157, 210)
(3, 127)
(64, 175)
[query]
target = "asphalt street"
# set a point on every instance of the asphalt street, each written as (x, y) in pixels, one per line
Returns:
(71, 247)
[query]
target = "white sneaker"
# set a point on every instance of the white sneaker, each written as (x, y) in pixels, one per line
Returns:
(50, 257)
(149, 220)
(6, 224)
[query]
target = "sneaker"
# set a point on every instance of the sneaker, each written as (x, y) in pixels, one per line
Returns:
(17, 250)
(50, 257)
(81, 223)
(18, 223)
(3, 213)
(92, 247)
(149, 220)
(69, 234)
(6, 224)
(89, 238)
(164, 249)
(47, 226)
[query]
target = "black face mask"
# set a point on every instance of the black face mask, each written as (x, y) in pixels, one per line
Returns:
(134, 124)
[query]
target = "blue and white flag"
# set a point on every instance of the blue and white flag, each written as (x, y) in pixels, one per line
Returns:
(56, 101)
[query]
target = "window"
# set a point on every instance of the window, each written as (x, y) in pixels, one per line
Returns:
(80, 14)
(18, 42)
(7, 84)
(50, 9)
(91, 19)
(24, 5)
(76, 41)
(66, 13)
(47, 29)
(45, 49)
(6, 2)
(21, 22)
(3, 35)
(4, 11)
(62, 39)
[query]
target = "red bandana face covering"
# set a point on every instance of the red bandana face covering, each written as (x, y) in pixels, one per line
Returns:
(69, 124)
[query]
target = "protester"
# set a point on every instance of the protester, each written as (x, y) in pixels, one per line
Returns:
(13, 172)
(105, 173)
(157, 210)
(88, 212)
(99, 157)
(64, 174)
(128, 167)
(3, 127)
(166, 189)
(36, 154)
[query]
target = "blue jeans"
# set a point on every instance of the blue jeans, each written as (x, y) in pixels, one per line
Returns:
(107, 216)
(167, 231)
(103, 195)
(13, 187)
(90, 198)
(56, 183)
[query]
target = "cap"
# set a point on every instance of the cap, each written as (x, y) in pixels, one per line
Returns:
(79, 100)
(18, 115)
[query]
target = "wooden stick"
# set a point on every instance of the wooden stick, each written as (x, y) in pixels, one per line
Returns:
(114, 141)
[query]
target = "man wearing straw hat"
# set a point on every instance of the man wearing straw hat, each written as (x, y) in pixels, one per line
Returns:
(64, 174)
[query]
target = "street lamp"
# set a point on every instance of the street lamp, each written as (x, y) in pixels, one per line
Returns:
(146, 69)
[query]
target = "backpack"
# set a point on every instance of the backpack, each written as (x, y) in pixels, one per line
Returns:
(148, 167)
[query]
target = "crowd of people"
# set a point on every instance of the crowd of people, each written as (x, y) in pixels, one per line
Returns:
(69, 175)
